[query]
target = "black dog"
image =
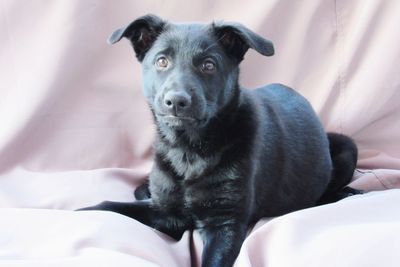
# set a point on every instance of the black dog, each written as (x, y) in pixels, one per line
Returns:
(225, 156)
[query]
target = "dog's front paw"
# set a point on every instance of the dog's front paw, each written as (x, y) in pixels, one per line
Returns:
(105, 205)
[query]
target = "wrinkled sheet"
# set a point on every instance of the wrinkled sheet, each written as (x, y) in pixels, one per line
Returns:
(76, 130)
(358, 231)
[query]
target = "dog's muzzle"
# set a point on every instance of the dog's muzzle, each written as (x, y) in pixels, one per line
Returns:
(177, 103)
(177, 121)
(181, 122)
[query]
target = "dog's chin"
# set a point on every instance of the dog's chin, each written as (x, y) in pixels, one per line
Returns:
(180, 122)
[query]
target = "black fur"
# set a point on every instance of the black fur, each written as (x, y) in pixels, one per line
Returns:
(225, 156)
(344, 158)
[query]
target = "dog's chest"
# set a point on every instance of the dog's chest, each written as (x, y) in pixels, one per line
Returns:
(187, 164)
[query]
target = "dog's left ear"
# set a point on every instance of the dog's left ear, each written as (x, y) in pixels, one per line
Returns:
(142, 33)
(236, 39)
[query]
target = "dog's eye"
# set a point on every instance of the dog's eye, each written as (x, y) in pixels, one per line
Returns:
(162, 63)
(208, 66)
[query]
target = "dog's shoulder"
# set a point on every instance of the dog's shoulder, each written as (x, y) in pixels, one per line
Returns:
(277, 92)
(283, 100)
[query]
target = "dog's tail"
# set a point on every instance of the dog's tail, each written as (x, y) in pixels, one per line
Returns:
(343, 152)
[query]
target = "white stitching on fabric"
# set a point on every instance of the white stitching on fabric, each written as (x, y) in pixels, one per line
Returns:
(376, 176)
(341, 73)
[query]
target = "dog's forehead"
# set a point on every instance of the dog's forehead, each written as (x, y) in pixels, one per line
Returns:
(188, 36)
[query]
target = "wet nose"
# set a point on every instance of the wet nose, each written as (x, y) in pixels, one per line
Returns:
(177, 101)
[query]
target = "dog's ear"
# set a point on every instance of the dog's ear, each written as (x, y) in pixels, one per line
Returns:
(236, 39)
(142, 33)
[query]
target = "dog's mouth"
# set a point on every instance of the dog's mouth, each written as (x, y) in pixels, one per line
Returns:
(179, 122)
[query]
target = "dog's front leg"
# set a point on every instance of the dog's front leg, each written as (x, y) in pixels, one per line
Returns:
(145, 212)
(222, 244)
(138, 210)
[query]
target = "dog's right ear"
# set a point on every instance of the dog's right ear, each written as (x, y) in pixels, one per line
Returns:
(142, 33)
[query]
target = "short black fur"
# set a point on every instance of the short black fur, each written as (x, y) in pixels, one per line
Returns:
(225, 156)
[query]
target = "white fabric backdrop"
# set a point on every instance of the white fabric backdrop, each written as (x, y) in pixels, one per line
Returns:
(76, 129)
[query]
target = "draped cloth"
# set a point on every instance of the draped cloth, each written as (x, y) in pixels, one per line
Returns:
(76, 130)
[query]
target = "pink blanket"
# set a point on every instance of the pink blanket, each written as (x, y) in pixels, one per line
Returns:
(76, 130)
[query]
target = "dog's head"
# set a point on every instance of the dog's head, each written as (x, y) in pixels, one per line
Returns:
(190, 70)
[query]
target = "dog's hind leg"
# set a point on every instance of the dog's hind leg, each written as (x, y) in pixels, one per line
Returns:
(143, 192)
(343, 152)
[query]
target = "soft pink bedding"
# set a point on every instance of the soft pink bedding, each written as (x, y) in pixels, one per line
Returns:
(76, 130)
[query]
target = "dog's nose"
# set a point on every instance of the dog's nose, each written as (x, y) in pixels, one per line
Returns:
(177, 101)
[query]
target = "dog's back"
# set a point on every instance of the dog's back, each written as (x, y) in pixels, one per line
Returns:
(289, 132)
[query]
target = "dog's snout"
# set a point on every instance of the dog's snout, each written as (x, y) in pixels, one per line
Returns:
(177, 101)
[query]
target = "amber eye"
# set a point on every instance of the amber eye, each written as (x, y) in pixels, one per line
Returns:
(162, 63)
(208, 65)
